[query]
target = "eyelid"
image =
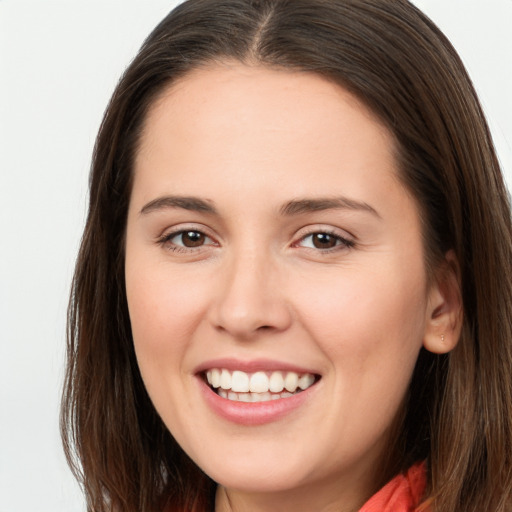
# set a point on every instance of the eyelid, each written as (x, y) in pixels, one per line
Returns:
(169, 233)
(347, 240)
(325, 228)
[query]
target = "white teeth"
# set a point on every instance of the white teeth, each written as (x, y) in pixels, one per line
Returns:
(215, 378)
(259, 386)
(252, 397)
(262, 397)
(240, 382)
(306, 380)
(225, 379)
(258, 382)
(291, 381)
(276, 382)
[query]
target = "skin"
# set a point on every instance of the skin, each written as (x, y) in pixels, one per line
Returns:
(249, 140)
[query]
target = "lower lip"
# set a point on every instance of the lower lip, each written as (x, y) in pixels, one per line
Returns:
(253, 413)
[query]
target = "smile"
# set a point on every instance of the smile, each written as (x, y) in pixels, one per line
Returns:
(239, 386)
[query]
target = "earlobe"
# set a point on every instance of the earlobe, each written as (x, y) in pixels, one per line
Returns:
(444, 311)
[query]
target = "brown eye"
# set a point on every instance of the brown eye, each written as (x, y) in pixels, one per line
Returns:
(183, 240)
(324, 240)
(192, 238)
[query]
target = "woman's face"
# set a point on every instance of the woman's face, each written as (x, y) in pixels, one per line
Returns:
(269, 244)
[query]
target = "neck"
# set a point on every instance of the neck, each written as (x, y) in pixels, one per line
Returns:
(322, 497)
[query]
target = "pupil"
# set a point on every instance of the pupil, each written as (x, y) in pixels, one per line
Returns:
(192, 239)
(323, 241)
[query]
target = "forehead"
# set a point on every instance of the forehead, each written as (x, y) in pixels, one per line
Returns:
(225, 110)
(214, 94)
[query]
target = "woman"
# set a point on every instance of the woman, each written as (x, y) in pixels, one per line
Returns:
(294, 284)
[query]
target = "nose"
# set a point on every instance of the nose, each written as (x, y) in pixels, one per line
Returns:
(250, 298)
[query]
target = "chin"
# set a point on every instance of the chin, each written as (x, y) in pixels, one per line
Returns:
(258, 479)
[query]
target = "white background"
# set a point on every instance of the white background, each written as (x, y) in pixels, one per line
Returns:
(59, 63)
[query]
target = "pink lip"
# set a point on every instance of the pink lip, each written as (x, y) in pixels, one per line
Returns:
(253, 366)
(257, 413)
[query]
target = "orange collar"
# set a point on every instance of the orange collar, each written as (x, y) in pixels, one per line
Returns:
(402, 494)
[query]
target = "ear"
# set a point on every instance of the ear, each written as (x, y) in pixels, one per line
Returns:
(444, 310)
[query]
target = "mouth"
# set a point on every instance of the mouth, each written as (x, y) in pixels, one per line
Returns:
(260, 386)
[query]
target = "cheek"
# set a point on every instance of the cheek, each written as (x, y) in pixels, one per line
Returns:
(164, 313)
(370, 330)
(362, 303)
(369, 325)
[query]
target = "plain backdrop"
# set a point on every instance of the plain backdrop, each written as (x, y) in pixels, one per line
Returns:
(59, 63)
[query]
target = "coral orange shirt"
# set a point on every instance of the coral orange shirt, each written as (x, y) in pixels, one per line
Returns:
(402, 494)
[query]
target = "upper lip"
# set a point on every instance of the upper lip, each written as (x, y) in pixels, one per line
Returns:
(252, 366)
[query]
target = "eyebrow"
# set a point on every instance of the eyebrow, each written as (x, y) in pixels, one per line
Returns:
(300, 206)
(186, 203)
(295, 207)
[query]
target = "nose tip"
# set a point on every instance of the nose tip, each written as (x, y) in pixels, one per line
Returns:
(250, 301)
(243, 326)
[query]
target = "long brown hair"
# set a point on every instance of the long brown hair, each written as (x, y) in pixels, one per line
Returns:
(459, 409)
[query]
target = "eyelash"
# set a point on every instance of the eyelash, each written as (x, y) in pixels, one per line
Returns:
(342, 243)
(165, 241)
